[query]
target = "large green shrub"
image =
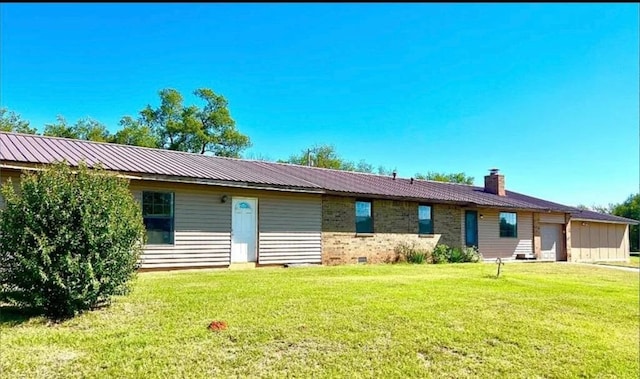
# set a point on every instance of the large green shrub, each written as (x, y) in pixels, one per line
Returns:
(443, 254)
(68, 240)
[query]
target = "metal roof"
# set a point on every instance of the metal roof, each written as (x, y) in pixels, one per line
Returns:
(596, 216)
(25, 148)
(35, 149)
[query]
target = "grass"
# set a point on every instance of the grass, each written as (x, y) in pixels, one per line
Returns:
(634, 261)
(536, 320)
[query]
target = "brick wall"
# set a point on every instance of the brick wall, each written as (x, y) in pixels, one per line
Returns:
(447, 221)
(394, 222)
(338, 214)
(340, 248)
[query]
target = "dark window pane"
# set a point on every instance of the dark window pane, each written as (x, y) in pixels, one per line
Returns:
(508, 224)
(158, 209)
(159, 230)
(158, 197)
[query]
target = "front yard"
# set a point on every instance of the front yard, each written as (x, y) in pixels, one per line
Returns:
(634, 261)
(536, 320)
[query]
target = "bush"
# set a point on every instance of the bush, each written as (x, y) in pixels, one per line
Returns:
(440, 254)
(68, 241)
(443, 254)
(455, 255)
(470, 254)
(411, 254)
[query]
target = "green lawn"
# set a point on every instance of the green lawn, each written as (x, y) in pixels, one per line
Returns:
(633, 262)
(537, 320)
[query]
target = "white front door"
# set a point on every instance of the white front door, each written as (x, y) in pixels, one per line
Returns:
(243, 229)
(551, 241)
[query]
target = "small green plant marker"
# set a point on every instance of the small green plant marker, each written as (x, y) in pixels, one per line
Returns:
(499, 263)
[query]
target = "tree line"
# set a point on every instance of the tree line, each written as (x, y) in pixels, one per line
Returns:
(207, 128)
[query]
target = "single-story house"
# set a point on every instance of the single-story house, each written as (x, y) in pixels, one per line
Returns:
(207, 211)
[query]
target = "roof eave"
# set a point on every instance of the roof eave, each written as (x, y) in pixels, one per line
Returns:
(220, 183)
(177, 179)
(629, 222)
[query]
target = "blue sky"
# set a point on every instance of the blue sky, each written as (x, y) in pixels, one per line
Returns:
(548, 93)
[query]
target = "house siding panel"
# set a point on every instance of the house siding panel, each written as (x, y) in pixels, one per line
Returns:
(202, 228)
(491, 245)
(552, 218)
(598, 241)
(290, 229)
(288, 226)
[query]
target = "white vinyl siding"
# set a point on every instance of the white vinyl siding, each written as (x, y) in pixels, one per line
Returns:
(290, 229)
(599, 241)
(491, 245)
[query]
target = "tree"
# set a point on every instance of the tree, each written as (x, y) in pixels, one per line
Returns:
(630, 208)
(363, 166)
(385, 171)
(10, 121)
(70, 240)
(86, 129)
(458, 177)
(606, 209)
(603, 208)
(60, 129)
(258, 157)
(193, 129)
(324, 156)
(134, 133)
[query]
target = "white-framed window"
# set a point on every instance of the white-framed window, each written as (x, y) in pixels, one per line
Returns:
(157, 212)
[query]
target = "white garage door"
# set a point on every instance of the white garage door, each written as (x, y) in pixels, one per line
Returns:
(551, 239)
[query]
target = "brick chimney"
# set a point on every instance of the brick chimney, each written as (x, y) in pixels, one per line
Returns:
(494, 183)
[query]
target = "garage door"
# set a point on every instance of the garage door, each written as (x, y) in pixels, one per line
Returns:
(551, 239)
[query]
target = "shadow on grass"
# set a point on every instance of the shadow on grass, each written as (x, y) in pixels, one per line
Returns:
(11, 315)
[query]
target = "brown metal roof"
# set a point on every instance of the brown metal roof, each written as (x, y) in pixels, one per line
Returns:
(25, 148)
(34, 149)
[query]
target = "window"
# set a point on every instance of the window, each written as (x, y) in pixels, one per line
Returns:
(157, 212)
(508, 224)
(364, 221)
(425, 223)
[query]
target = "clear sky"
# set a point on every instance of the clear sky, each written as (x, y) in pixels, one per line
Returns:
(548, 93)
